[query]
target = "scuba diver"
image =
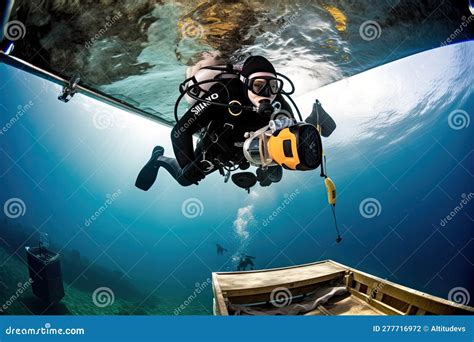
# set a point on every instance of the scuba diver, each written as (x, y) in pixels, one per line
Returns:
(227, 104)
(242, 119)
(245, 260)
(220, 249)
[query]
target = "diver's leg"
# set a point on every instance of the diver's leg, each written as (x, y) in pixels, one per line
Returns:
(171, 165)
(149, 172)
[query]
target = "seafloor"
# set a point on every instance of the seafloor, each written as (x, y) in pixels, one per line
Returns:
(77, 301)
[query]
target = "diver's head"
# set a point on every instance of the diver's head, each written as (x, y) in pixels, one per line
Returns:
(262, 85)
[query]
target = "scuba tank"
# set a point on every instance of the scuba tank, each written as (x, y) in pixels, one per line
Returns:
(200, 83)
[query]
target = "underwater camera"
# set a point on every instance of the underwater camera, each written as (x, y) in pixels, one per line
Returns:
(294, 146)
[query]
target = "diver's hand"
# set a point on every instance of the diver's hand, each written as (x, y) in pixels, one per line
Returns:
(193, 173)
(272, 174)
(262, 177)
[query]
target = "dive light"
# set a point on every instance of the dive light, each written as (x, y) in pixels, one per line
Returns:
(331, 189)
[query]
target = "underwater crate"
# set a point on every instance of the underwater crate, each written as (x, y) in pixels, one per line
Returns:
(251, 292)
(45, 271)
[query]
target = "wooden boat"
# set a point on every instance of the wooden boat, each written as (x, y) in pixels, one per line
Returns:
(365, 294)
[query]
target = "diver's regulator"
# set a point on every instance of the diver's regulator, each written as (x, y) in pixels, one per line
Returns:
(265, 108)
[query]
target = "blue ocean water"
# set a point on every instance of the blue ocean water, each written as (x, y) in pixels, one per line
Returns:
(401, 157)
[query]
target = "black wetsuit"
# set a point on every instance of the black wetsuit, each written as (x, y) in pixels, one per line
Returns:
(221, 133)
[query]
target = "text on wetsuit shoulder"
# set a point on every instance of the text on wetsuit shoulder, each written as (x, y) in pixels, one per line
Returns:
(203, 105)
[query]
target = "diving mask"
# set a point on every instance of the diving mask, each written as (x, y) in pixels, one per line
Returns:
(265, 86)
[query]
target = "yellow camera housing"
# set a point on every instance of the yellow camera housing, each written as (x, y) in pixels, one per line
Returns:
(297, 147)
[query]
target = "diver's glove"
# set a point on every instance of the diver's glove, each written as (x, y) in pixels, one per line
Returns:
(193, 173)
(272, 174)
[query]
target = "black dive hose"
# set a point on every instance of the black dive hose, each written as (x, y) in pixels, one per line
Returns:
(292, 91)
(223, 82)
(294, 105)
(194, 97)
(339, 238)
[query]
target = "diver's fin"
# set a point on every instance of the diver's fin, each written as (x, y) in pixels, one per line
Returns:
(320, 117)
(149, 172)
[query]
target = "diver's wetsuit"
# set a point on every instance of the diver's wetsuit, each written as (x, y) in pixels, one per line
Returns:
(222, 134)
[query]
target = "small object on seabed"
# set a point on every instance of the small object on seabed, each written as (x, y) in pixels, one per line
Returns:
(45, 272)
